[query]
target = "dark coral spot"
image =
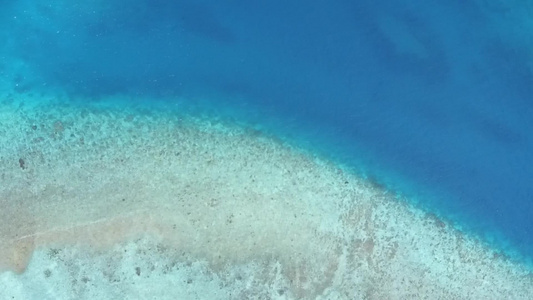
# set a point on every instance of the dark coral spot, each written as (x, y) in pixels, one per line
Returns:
(22, 163)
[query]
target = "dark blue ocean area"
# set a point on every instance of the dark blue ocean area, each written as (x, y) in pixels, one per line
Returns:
(432, 100)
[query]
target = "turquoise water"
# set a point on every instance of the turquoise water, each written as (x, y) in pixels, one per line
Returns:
(434, 101)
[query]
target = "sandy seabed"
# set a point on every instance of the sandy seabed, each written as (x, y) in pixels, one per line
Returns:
(138, 203)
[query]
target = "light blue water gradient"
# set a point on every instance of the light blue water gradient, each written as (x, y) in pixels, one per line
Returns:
(434, 100)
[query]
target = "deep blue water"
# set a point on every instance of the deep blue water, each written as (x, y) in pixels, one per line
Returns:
(434, 100)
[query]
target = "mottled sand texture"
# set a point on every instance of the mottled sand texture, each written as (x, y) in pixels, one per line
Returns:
(100, 203)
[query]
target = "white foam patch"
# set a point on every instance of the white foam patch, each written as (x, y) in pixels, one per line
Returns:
(136, 270)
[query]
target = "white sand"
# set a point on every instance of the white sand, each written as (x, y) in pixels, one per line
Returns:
(139, 204)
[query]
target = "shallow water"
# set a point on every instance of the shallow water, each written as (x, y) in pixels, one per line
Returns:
(430, 101)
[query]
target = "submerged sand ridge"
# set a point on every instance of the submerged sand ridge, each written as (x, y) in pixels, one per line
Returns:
(90, 184)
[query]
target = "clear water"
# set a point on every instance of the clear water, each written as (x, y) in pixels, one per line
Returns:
(433, 100)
